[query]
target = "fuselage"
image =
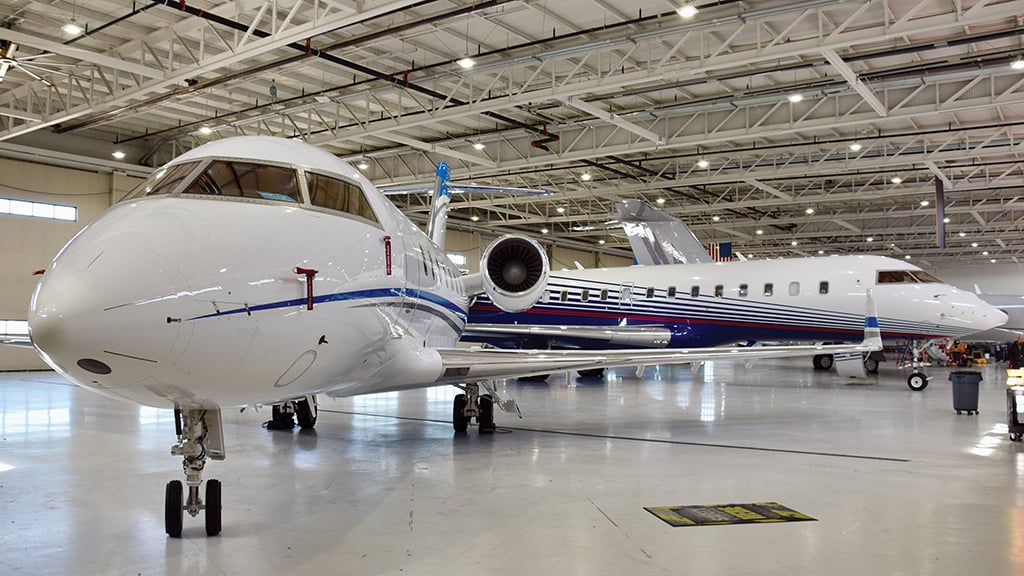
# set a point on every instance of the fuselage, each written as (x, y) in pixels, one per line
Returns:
(693, 305)
(195, 292)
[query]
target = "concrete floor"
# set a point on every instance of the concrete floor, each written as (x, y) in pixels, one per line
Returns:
(899, 483)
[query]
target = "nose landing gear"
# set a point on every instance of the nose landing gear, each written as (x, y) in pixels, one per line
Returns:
(200, 436)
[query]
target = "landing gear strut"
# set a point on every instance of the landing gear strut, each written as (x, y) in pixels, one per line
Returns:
(200, 436)
(472, 404)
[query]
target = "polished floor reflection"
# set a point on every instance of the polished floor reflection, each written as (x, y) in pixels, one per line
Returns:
(899, 483)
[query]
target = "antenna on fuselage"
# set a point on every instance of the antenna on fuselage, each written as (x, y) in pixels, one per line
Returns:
(438, 223)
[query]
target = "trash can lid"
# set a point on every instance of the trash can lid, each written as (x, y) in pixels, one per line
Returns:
(965, 372)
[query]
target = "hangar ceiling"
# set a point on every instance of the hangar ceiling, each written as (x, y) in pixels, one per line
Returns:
(778, 126)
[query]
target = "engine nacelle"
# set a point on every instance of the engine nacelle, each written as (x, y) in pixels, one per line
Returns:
(514, 272)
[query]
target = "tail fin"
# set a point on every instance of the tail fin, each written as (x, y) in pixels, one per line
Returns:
(657, 238)
(438, 223)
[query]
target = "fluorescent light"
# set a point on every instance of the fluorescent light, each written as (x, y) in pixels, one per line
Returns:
(118, 154)
(479, 145)
(702, 163)
(72, 28)
(855, 146)
(466, 62)
(896, 180)
(794, 98)
(1018, 64)
(585, 176)
(687, 10)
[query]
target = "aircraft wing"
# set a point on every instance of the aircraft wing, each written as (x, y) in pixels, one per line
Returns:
(16, 340)
(461, 364)
(460, 188)
(633, 336)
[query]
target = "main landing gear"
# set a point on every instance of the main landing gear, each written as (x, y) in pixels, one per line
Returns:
(472, 404)
(200, 436)
(284, 415)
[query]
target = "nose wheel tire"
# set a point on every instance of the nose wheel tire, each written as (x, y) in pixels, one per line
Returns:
(173, 509)
(917, 381)
(213, 507)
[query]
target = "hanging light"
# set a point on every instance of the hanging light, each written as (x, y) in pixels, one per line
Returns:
(716, 218)
(660, 200)
(466, 62)
(72, 27)
(758, 231)
(687, 10)
(474, 218)
(1018, 64)
(925, 203)
(896, 180)
(703, 163)
(362, 165)
(479, 145)
(855, 146)
(119, 154)
(794, 98)
(560, 209)
(601, 241)
(585, 176)
(809, 211)
(205, 130)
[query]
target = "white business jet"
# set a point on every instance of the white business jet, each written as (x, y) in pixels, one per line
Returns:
(683, 299)
(257, 270)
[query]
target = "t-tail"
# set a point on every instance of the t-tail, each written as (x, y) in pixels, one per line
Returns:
(438, 223)
(657, 238)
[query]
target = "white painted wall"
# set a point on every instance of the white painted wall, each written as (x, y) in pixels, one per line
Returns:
(998, 278)
(28, 244)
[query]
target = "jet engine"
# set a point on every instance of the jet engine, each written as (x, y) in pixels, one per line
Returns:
(514, 272)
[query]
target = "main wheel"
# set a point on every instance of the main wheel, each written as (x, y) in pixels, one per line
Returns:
(485, 419)
(459, 420)
(871, 365)
(823, 362)
(173, 509)
(305, 413)
(593, 373)
(213, 507)
(917, 381)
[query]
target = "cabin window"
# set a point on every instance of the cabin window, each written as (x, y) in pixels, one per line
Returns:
(650, 291)
(719, 290)
(163, 181)
(604, 294)
(564, 296)
(823, 287)
(585, 296)
(671, 293)
(340, 195)
(769, 288)
(247, 180)
(694, 291)
(794, 288)
(743, 290)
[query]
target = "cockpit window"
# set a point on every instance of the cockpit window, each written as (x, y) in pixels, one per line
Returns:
(337, 194)
(925, 278)
(247, 180)
(163, 181)
(896, 277)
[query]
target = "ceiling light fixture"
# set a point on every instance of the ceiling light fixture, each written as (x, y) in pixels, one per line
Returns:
(474, 218)
(585, 176)
(1018, 64)
(925, 202)
(479, 145)
(660, 200)
(702, 163)
(870, 239)
(72, 27)
(794, 98)
(601, 241)
(466, 62)
(821, 251)
(758, 231)
(962, 234)
(896, 180)
(716, 218)
(793, 243)
(984, 253)
(543, 230)
(118, 154)
(993, 260)
(907, 257)
(205, 130)
(362, 165)
(687, 10)
(945, 220)
(809, 211)
(855, 146)
(560, 209)
(974, 244)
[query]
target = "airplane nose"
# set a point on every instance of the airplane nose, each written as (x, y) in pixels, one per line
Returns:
(105, 317)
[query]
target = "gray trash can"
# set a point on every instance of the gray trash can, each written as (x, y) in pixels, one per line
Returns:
(965, 390)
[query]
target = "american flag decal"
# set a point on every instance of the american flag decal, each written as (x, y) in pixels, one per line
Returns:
(720, 251)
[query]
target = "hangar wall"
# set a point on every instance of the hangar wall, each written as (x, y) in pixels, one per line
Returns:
(991, 278)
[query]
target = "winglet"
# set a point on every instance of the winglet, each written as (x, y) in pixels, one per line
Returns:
(438, 222)
(872, 333)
